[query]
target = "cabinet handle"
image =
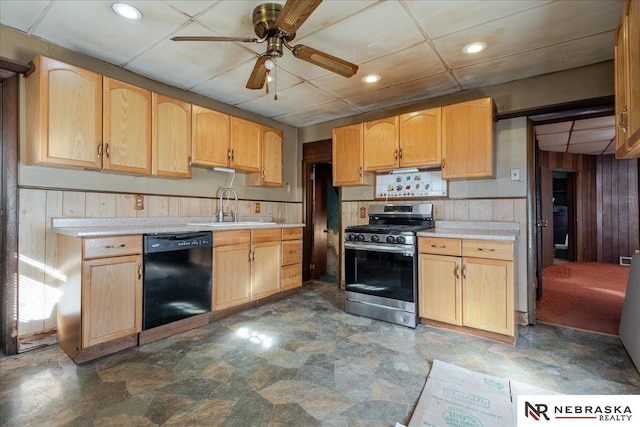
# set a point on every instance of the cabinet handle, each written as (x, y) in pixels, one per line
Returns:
(229, 154)
(189, 163)
(139, 271)
(400, 153)
(395, 155)
(457, 271)
(464, 271)
(263, 172)
(107, 152)
(292, 252)
(122, 245)
(442, 164)
(99, 154)
(232, 154)
(621, 124)
(486, 250)
(360, 171)
(439, 246)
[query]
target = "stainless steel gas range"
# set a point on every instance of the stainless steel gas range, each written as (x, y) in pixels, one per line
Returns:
(381, 263)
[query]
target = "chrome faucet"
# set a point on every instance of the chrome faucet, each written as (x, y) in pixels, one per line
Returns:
(221, 214)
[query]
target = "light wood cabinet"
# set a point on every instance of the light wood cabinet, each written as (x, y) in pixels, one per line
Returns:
(171, 137)
(347, 155)
(627, 82)
(210, 139)
(468, 146)
(100, 310)
(126, 128)
(381, 144)
(265, 263)
(271, 175)
(231, 268)
(246, 145)
(64, 115)
(467, 283)
(291, 258)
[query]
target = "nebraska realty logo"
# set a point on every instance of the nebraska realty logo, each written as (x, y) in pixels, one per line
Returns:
(578, 410)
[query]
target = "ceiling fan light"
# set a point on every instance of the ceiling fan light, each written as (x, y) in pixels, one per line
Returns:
(127, 11)
(269, 64)
(371, 78)
(475, 47)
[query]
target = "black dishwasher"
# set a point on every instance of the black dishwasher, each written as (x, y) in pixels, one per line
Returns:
(177, 277)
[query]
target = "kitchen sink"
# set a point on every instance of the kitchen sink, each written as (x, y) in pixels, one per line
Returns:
(230, 223)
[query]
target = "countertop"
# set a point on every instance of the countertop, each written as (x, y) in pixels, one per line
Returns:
(506, 231)
(100, 227)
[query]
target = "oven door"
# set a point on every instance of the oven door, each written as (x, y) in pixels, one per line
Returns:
(387, 271)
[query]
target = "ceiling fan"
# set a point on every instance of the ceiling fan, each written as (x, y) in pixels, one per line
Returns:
(277, 25)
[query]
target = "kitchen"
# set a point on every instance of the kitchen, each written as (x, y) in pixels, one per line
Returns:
(105, 195)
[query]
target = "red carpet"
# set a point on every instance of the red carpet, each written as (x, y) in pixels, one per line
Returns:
(586, 295)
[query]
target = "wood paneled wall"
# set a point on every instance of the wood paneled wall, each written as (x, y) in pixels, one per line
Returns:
(618, 214)
(607, 204)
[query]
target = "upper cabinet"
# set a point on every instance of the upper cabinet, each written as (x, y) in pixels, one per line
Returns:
(171, 137)
(627, 82)
(271, 175)
(211, 133)
(246, 145)
(64, 115)
(468, 139)
(409, 140)
(347, 154)
(126, 128)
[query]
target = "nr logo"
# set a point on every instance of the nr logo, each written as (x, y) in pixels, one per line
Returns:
(536, 411)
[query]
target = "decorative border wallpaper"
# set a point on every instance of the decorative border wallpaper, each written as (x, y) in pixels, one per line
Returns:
(411, 184)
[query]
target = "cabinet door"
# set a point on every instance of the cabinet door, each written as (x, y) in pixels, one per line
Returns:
(246, 145)
(271, 175)
(232, 275)
(380, 144)
(420, 142)
(171, 139)
(291, 276)
(127, 128)
(467, 140)
(64, 122)
(440, 288)
(111, 299)
(347, 156)
(487, 295)
(265, 269)
(211, 137)
(633, 49)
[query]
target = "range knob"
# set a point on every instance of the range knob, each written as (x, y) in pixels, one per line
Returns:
(391, 239)
(400, 240)
(351, 237)
(375, 238)
(361, 238)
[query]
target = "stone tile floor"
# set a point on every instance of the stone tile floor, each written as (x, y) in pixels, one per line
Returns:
(296, 362)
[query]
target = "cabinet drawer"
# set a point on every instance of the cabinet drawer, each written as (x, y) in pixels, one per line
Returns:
(490, 249)
(291, 276)
(265, 235)
(439, 246)
(294, 233)
(291, 252)
(232, 237)
(105, 247)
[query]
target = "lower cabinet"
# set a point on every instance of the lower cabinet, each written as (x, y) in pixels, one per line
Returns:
(265, 262)
(100, 310)
(468, 283)
(231, 268)
(291, 258)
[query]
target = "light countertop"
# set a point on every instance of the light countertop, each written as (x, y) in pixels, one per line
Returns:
(506, 231)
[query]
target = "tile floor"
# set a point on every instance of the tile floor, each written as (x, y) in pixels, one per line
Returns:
(296, 362)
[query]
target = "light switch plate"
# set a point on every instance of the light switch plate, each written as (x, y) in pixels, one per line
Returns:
(515, 174)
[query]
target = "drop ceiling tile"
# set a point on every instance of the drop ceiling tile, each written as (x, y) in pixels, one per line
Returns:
(556, 148)
(591, 135)
(551, 139)
(300, 97)
(93, 28)
(405, 93)
(318, 114)
(588, 147)
(547, 25)
(559, 57)
(325, 15)
(364, 36)
(438, 18)
(21, 14)
(597, 122)
(230, 18)
(190, 8)
(553, 128)
(191, 62)
(408, 64)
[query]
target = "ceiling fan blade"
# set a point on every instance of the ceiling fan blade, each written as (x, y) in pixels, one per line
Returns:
(213, 39)
(259, 74)
(294, 13)
(324, 60)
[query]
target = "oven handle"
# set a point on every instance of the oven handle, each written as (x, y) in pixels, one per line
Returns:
(380, 248)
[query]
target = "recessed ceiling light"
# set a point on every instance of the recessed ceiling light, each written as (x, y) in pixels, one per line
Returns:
(371, 78)
(126, 11)
(474, 47)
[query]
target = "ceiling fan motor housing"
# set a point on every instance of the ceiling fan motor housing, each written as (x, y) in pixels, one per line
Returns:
(264, 21)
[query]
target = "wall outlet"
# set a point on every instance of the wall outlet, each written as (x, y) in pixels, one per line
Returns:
(363, 212)
(139, 202)
(257, 207)
(515, 174)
